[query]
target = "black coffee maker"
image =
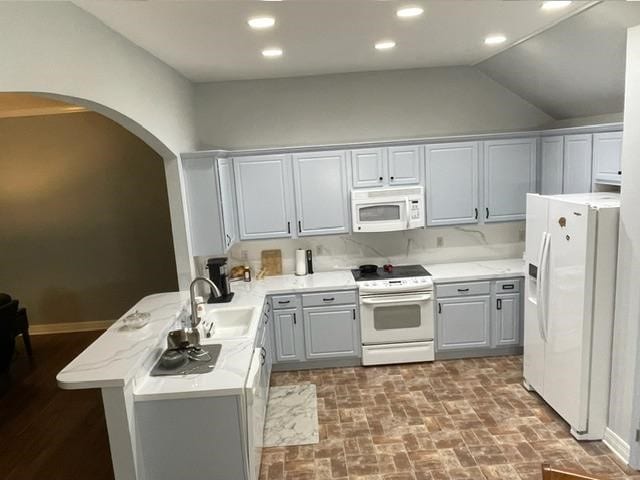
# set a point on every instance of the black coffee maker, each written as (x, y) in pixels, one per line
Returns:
(218, 274)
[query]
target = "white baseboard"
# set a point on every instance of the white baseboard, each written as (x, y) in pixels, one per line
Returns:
(617, 445)
(70, 327)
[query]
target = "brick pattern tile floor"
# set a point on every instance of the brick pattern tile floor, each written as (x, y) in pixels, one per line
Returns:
(447, 420)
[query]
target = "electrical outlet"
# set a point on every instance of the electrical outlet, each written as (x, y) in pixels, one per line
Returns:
(244, 255)
(440, 242)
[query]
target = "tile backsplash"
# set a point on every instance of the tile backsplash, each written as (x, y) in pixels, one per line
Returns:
(422, 246)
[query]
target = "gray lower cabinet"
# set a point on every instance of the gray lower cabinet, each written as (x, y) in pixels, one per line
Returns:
(478, 318)
(464, 323)
(331, 332)
(507, 320)
(315, 327)
(289, 343)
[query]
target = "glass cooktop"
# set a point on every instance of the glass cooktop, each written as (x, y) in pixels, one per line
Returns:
(401, 271)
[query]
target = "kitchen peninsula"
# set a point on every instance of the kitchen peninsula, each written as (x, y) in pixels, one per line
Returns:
(120, 361)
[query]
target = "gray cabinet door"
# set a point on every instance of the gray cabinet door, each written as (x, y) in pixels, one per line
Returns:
(206, 227)
(368, 167)
(289, 344)
(607, 157)
(320, 184)
(331, 332)
(451, 173)
(404, 165)
(264, 194)
(506, 325)
(228, 201)
(509, 174)
(577, 164)
(552, 160)
(464, 323)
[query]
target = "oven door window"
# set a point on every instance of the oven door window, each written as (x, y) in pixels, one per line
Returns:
(396, 317)
(379, 213)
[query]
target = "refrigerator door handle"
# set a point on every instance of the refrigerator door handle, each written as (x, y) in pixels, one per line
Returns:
(542, 288)
(539, 273)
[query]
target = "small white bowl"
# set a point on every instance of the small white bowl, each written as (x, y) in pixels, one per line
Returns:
(136, 320)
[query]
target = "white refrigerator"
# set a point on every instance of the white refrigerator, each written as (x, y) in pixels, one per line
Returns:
(571, 255)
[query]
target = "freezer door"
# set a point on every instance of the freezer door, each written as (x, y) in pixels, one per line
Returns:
(534, 346)
(567, 323)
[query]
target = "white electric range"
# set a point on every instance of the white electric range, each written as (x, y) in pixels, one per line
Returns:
(396, 315)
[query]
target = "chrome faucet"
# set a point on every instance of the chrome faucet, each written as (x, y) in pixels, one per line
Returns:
(192, 291)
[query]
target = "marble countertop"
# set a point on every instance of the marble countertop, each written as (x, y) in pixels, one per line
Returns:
(121, 356)
(477, 270)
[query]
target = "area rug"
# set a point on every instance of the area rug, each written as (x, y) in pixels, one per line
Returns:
(292, 416)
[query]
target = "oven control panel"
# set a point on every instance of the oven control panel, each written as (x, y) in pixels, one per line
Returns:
(410, 284)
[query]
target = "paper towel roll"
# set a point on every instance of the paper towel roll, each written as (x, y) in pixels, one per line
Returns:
(301, 262)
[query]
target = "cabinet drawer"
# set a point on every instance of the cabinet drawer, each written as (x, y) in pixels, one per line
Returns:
(329, 298)
(508, 286)
(284, 301)
(462, 289)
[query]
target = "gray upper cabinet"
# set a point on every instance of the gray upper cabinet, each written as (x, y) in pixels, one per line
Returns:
(368, 167)
(404, 165)
(552, 161)
(506, 325)
(463, 323)
(509, 174)
(227, 200)
(451, 174)
(577, 164)
(265, 196)
(331, 332)
(320, 184)
(378, 167)
(212, 231)
(607, 158)
(288, 339)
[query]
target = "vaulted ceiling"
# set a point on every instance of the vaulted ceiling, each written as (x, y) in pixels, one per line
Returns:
(574, 69)
(568, 62)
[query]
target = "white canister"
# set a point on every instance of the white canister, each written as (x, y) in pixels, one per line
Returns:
(301, 262)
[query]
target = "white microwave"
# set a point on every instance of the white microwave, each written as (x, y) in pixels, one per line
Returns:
(387, 209)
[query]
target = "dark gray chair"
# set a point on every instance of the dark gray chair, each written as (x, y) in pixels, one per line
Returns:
(19, 324)
(8, 313)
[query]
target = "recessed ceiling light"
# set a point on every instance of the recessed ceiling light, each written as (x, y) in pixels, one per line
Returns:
(555, 4)
(385, 45)
(259, 23)
(407, 12)
(272, 52)
(494, 39)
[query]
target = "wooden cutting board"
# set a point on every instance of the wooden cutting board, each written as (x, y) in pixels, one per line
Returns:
(272, 262)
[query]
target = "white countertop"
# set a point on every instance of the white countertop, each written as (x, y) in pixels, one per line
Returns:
(478, 270)
(120, 356)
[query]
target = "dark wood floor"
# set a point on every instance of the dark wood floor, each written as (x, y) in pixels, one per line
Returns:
(48, 433)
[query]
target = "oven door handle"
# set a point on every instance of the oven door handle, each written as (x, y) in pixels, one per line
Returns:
(393, 301)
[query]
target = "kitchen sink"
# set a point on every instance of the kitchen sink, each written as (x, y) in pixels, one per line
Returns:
(232, 322)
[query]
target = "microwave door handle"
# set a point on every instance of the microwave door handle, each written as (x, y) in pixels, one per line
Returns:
(407, 204)
(389, 301)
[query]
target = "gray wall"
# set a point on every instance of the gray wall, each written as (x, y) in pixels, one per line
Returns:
(627, 321)
(357, 107)
(85, 227)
